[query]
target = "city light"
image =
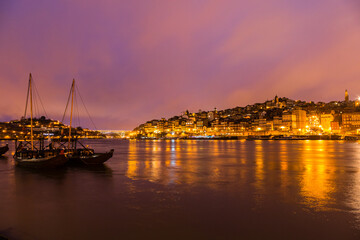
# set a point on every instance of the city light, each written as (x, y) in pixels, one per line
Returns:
(309, 119)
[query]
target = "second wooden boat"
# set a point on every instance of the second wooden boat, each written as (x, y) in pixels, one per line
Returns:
(82, 154)
(88, 156)
(4, 149)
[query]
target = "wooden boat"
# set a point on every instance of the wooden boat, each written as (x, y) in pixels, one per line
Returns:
(4, 149)
(46, 158)
(88, 156)
(83, 154)
(33, 154)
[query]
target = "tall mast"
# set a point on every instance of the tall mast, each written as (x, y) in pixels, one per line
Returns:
(72, 104)
(31, 111)
(27, 97)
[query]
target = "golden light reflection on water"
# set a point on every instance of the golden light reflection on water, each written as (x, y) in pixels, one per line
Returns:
(283, 156)
(284, 168)
(317, 182)
(354, 190)
(308, 171)
(259, 169)
(306, 182)
(132, 163)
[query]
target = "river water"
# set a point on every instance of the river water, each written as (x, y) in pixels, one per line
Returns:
(188, 189)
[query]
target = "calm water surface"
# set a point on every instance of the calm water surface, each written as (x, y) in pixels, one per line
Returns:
(190, 190)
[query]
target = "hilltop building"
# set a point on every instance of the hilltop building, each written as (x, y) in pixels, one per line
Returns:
(346, 96)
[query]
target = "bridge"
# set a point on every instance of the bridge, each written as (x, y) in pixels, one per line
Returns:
(121, 133)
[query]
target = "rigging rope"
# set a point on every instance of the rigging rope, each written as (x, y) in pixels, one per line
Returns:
(67, 104)
(36, 99)
(35, 106)
(85, 108)
(38, 95)
(27, 98)
(77, 110)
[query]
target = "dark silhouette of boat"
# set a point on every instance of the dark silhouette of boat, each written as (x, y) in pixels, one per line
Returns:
(259, 137)
(82, 154)
(39, 158)
(88, 156)
(295, 137)
(34, 154)
(4, 149)
(351, 138)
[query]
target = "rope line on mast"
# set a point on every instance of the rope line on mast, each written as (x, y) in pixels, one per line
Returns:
(77, 109)
(35, 106)
(85, 107)
(67, 105)
(35, 98)
(38, 95)
(27, 97)
(72, 105)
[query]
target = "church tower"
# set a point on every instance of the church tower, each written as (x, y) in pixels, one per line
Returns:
(346, 96)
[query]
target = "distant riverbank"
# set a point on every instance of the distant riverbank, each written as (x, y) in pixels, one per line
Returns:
(263, 137)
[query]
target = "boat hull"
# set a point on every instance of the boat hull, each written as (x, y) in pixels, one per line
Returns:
(94, 159)
(47, 162)
(3, 150)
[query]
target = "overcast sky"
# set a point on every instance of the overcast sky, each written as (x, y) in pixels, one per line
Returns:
(138, 60)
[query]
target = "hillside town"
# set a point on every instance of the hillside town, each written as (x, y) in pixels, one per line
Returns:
(280, 116)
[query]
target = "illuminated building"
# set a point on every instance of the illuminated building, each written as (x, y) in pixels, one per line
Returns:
(278, 116)
(278, 123)
(300, 119)
(190, 123)
(314, 123)
(210, 116)
(199, 123)
(261, 124)
(288, 119)
(335, 127)
(325, 120)
(357, 102)
(351, 121)
(238, 127)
